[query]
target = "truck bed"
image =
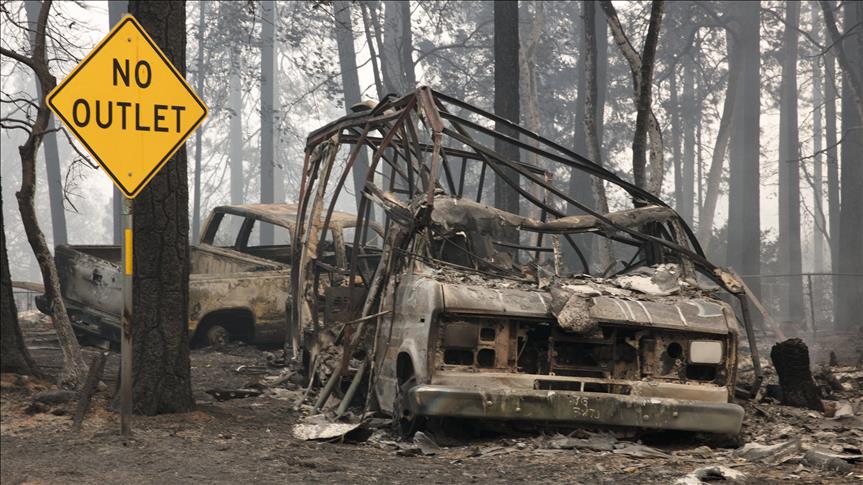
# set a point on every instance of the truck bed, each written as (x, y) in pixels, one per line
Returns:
(91, 281)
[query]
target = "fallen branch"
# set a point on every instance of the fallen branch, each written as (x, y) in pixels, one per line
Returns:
(97, 366)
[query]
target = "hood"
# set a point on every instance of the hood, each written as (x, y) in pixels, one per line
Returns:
(579, 306)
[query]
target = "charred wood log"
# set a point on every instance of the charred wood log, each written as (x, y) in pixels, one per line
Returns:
(791, 360)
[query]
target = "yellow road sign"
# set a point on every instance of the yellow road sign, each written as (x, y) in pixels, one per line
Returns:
(128, 105)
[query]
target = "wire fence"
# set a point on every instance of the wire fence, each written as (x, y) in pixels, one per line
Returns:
(803, 302)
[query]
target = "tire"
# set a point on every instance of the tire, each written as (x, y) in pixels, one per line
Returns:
(216, 334)
(405, 423)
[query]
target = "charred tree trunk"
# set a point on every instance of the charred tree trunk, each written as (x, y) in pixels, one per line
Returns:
(849, 292)
(639, 140)
(116, 10)
(14, 356)
(819, 229)
(832, 161)
(580, 184)
(677, 165)
(744, 207)
(160, 361)
(268, 161)
(235, 102)
(235, 109)
(691, 113)
(49, 142)
(373, 40)
(637, 68)
(506, 100)
(791, 361)
(591, 122)
(528, 79)
(789, 170)
(74, 369)
(714, 173)
(199, 133)
(406, 46)
(350, 82)
(847, 51)
(396, 52)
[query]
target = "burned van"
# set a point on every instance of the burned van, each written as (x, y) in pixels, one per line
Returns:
(560, 312)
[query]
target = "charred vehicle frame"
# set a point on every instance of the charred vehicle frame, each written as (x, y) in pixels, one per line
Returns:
(465, 310)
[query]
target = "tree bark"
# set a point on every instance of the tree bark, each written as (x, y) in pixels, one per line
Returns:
(847, 51)
(677, 164)
(52, 155)
(789, 252)
(654, 185)
(235, 102)
(832, 161)
(591, 120)
(160, 360)
(267, 127)
(506, 100)
(74, 369)
(744, 205)
(199, 133)
(714, 173)
(350, 82)
(406, 46)
(116, 10)
(396, 56)
(528, 79)
(14, 356)
(819, 228)
(373, 38)
(849, 291)
(639, 140)
(692, 113)
(791, 361)
(580, 184)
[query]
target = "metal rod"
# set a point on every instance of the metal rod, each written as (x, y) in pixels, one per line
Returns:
(753, 346)
(352, 389)
(481, 182)
(127, 258)
(328, 388)
(461, 176)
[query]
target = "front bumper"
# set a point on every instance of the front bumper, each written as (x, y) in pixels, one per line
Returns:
(561, 407)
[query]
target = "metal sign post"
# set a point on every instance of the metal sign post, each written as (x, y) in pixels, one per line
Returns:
(126, 321)
(132, 110)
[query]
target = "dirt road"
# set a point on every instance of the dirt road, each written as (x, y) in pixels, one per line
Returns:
(250, 440)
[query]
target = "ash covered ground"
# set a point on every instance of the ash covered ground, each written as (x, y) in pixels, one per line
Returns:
(252, 438)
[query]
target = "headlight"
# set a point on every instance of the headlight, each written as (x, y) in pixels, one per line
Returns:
(705, 352)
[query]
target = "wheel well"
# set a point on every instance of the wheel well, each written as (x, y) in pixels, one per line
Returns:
(404, 367)
(239, 322)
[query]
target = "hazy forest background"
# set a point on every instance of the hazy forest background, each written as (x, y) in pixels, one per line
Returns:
(762, 148)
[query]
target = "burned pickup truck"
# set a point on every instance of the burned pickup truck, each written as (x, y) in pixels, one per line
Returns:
(238, 282)
(565, 313)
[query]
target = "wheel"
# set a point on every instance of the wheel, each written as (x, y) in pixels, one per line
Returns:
(216, 335)
(405, 423)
